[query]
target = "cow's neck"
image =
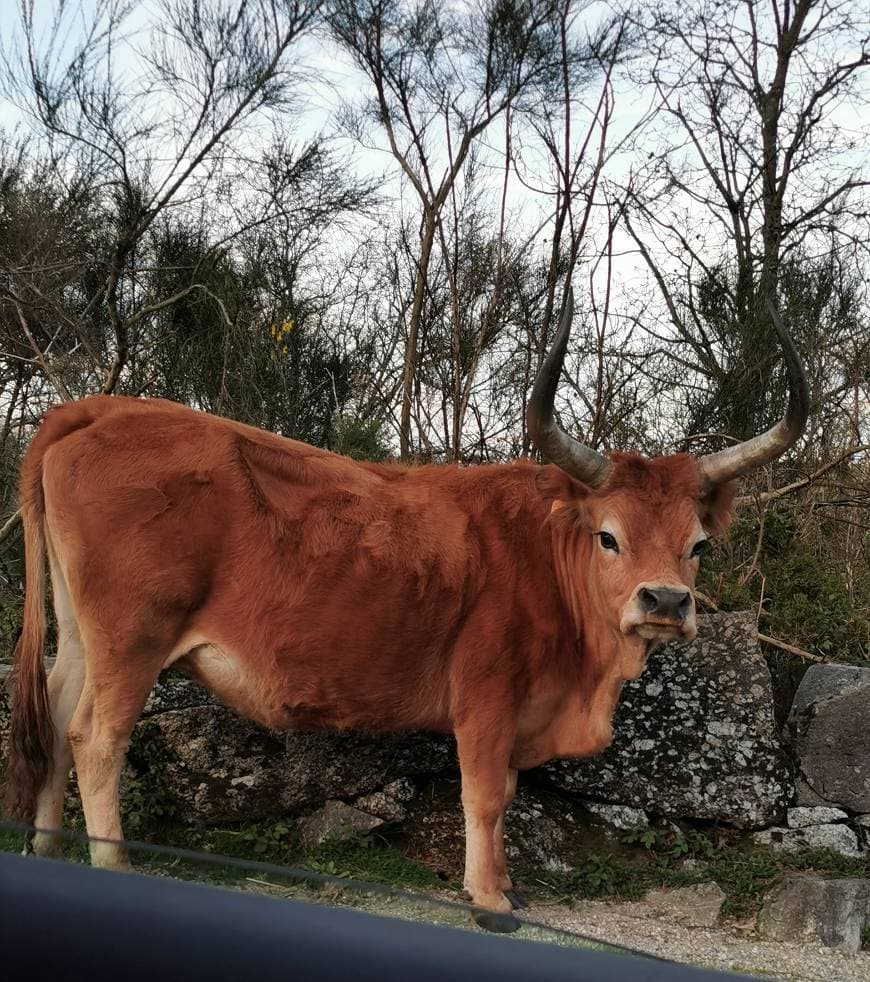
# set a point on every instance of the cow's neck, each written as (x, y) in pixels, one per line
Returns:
(614, 655)
(576, 719)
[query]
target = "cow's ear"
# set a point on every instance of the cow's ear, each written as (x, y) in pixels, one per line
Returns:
(555, 485)
(716, 507)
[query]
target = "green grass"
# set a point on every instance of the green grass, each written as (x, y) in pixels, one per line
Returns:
(11, 841)
(367, 859)
(372, 862)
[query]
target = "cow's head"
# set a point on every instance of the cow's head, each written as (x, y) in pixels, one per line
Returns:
(631, 531)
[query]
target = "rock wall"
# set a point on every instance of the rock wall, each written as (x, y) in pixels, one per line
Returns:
(220, 767)
(694, 736)
(829, 738)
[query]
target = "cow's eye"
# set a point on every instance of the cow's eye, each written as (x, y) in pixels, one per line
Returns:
(608, 542)
(700, 547)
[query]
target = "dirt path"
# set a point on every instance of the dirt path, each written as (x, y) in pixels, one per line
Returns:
(635, 925)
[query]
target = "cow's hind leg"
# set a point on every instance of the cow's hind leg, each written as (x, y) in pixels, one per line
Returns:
(116, 687)
(65, 682)
(484, 767)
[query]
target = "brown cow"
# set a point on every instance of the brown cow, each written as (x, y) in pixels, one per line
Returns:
(504, 603)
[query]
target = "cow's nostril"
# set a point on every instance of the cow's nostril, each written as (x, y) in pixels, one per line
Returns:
(685, 605)
(648, 600)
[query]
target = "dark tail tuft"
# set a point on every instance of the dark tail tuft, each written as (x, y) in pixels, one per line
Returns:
(31, 736)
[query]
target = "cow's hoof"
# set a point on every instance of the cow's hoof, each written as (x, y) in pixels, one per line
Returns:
(110, 856)
(516, 900)
(46, 845)
(491, 920)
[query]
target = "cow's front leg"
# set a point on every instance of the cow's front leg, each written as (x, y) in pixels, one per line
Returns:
(484, 767)
(504, 880)
(498, 843)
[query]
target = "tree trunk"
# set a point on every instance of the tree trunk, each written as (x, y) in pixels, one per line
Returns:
(426, 239)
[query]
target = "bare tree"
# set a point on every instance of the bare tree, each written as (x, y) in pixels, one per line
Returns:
(145, 142)
(749, 185)
(440, 75)
(569, 126)
(760, 107)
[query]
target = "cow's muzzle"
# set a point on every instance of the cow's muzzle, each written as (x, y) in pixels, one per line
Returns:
(660, 612)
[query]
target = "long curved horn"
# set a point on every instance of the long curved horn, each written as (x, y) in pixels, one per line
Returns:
(716, 468)
(572, 456)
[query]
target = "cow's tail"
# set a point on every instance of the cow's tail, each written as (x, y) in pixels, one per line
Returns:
(31, 736)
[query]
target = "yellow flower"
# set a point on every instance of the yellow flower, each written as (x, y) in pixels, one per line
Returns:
(279, 333)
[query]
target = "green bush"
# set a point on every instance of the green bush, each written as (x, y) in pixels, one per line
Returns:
(803, 592)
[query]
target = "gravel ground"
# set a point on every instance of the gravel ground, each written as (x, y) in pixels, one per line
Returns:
(634, 925)
(637, 927)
